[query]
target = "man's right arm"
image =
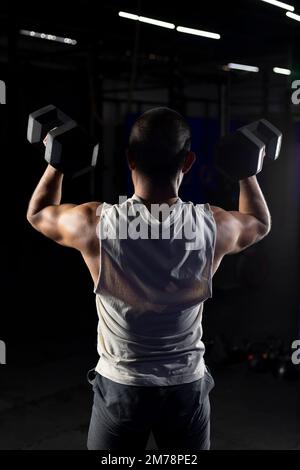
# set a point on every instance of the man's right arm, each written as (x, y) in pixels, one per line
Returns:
(237, 230)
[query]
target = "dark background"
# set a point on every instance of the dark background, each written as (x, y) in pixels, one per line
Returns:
(118, 69)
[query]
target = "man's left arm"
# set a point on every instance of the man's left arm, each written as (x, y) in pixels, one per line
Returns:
(67, 224)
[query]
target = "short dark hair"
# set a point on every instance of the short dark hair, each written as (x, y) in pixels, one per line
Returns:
(159, 142)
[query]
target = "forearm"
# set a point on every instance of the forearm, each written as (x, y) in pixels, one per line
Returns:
(47, 192)
(252, 201)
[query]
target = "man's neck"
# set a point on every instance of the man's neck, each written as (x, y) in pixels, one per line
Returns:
(152, 194)
(149, 199)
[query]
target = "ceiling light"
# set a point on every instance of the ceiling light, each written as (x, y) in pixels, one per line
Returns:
(285, 6)
(49, 37)
(144, 19)
(244, 68)
(198, 32)
(282, 71)
(293, 16)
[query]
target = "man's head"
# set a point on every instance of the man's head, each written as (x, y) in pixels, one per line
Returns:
(160, 146)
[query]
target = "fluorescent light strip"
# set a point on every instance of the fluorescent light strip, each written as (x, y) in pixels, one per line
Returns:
(163, 24)
(244, 68)
(129, 16)
(285, 6)
(144, 19)
(198, 32)
(282, 71)
(293, 16)
(49, 37)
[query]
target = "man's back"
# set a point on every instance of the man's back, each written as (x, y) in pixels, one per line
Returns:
(154, 277)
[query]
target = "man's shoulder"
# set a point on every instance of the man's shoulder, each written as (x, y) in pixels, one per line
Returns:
(90, 209)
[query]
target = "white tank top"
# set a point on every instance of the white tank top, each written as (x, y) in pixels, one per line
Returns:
(151, 290)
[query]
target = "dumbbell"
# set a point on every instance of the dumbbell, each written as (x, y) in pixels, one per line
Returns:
(241, 154)
(69, 149)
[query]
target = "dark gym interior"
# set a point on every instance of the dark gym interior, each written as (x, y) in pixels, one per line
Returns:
(104, 70)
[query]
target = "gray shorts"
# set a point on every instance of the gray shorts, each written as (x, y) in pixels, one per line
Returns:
(124, 415)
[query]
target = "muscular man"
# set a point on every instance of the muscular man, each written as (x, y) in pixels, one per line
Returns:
(150, 288)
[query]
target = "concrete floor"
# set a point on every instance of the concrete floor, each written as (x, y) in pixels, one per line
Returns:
(47, 406)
